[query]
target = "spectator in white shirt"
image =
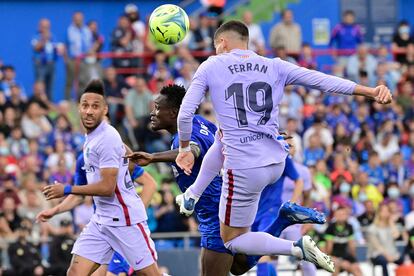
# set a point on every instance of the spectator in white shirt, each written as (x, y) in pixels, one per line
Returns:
(256, 38)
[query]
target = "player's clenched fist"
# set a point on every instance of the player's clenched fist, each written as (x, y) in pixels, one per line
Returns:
(54, 191)
(185, 160)
(45, 215)
(383, 94)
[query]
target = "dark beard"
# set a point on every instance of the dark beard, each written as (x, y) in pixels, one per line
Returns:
(90, 129)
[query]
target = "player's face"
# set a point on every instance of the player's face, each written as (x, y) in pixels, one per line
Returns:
(92, 109)
(162, 116)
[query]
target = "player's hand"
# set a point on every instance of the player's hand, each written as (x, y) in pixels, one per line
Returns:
(382, 94)
(54, 191)
(185, 160)
(140, 158)
(45, 215)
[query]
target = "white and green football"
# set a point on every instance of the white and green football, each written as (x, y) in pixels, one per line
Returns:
(169, 24)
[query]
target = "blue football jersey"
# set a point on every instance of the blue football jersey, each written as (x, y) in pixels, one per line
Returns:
(271, 197)
(80, 173)
(207, 207)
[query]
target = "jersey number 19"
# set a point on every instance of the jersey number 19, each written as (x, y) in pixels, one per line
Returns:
(259, 100)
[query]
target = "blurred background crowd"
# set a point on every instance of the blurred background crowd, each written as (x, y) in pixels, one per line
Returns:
(361, 154)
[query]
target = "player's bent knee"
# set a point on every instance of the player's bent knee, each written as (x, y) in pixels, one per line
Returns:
(151, 270)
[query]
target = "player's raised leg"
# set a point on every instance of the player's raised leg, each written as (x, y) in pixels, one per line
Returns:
(238, 207)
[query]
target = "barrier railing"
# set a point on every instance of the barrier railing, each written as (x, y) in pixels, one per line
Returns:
(148, 57)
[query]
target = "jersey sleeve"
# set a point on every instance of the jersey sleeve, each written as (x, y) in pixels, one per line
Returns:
(137, 172)
(80, 173)
(191, 101)
(110, 152)
(293, 74)
(290, 170)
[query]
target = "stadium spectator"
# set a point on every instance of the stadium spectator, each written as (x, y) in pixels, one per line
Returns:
(362, 61)
(35, 122)
(306, 57)
(203, 36)
(291, 105)
(256, 38)
(79, 42)
(122, 40)
(183, 55)
(24, 256)
(346, 36)
(160, 61)
(31, 205)
(116, 89)
(326, 137)
(132, 12)
(39, 95)
(16, 101)
(315, 151)
(186, 76)
(374, 170)
(363, 191)
(381, 240)
(45, 54)
(387, 146)
(287, 34)
(54, 160)
(340, 243)
(9, 80)
(92, 67)
(9, 211)
(19, 146)
(366, 218)
(401, 40)
(282, 53)
(62, 130)
(138, 105)
(61, 248)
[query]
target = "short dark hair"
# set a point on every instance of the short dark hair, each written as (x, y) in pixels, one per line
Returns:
(174, 94)
(349, 12)
(234, 26)
(95, 86)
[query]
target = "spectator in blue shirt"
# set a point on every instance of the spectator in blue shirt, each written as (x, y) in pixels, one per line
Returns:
(346, 35)
(79, 42)
(374, 170)
(314, 152)
(45, 53)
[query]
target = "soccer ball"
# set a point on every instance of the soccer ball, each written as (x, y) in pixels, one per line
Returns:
(169, 24)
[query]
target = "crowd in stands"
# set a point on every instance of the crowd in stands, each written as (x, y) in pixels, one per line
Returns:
(361, 154)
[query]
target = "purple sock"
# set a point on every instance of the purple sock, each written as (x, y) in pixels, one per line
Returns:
(260, 243)
(308, 268)
(210, 168)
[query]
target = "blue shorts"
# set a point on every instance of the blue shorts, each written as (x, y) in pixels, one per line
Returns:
(214, 244)
(118, 264)
(264, 220)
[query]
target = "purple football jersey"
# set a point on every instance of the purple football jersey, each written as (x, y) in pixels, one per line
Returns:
(246, 90)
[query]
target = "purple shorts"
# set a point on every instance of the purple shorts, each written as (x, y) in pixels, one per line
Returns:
(98, 242)
(241, 190)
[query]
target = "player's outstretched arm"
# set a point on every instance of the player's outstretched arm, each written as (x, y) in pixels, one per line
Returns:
(104, 187)
(294, 74)
(67, 204)
(149, 187)
(144, 158)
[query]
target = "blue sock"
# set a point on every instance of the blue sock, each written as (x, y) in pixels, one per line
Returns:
(266, 269)
(277, 226)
